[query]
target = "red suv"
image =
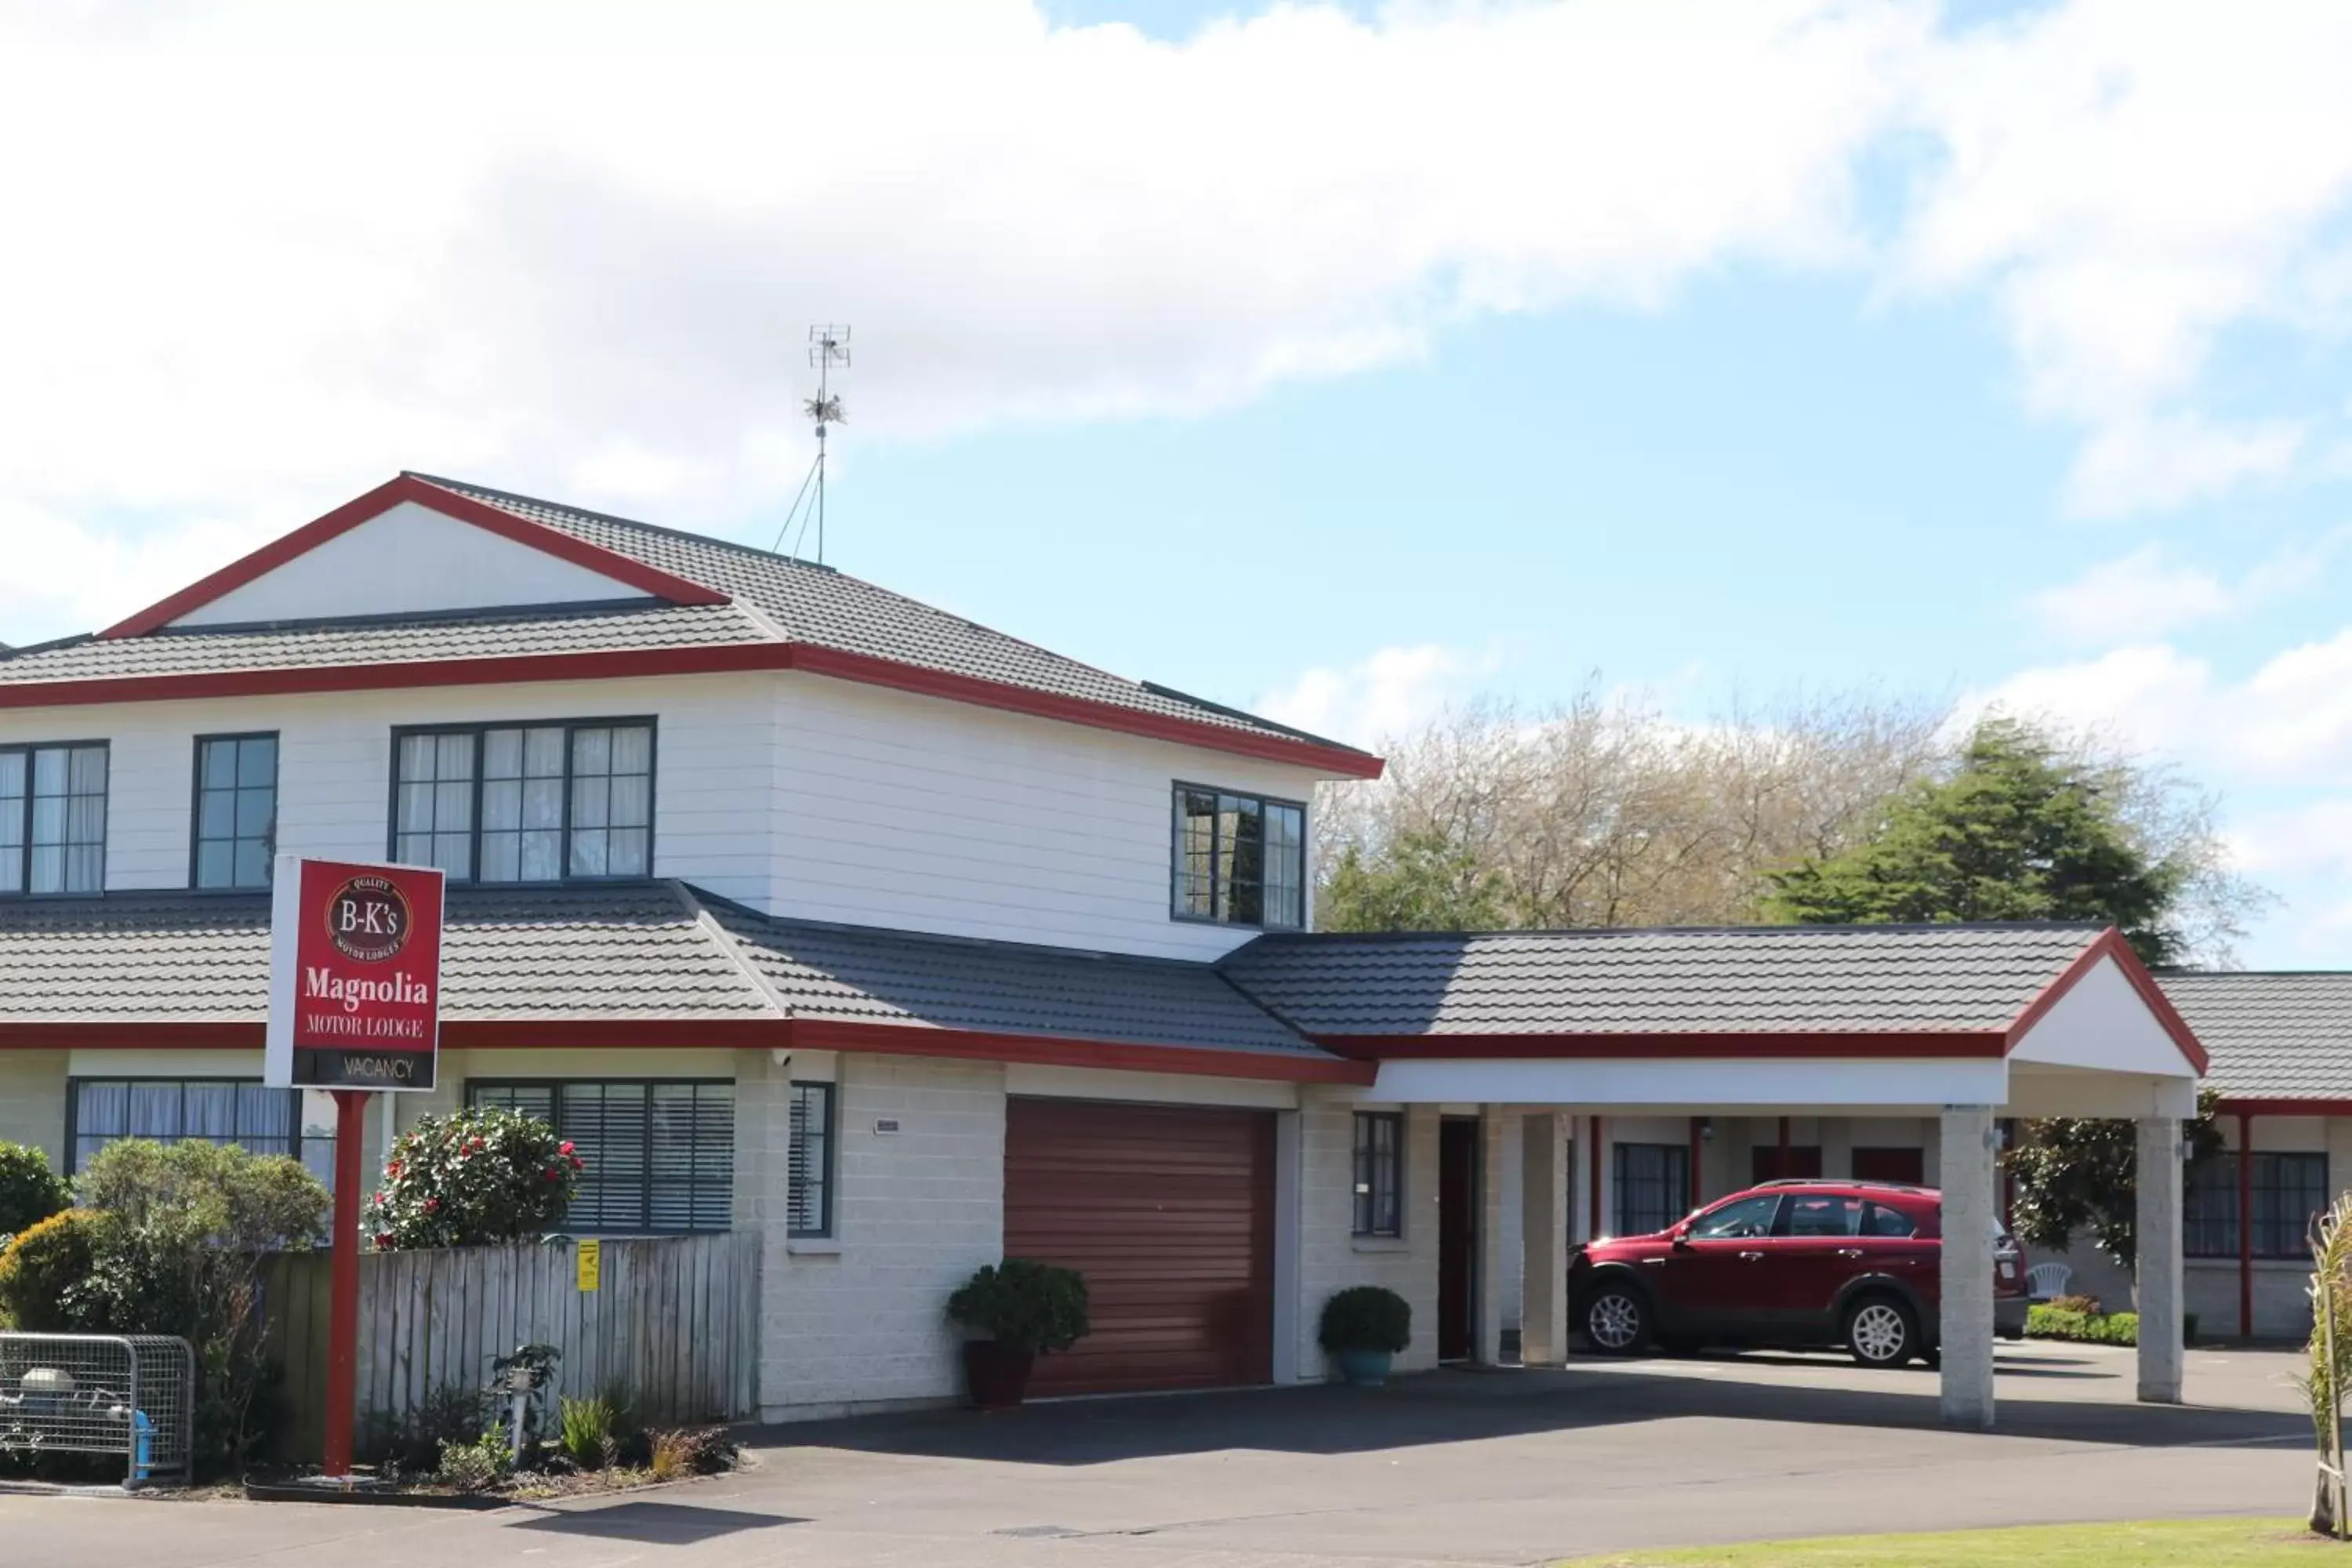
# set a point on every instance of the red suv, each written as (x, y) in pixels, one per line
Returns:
(1807, 1265)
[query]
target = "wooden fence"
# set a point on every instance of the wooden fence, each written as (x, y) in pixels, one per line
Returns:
(673, 1324)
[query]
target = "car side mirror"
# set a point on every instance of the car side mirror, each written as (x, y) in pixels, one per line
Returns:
(1680, 1236)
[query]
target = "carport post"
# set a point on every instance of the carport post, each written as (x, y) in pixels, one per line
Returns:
(2158, 1267)
(1966, 1335)
(1543, 1213)
(1497, 1125)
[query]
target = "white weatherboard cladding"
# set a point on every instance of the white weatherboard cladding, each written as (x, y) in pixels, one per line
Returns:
(714, 773)
(409, 560)
(920, 814)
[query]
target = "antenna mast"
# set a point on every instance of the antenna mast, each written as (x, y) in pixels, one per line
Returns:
(828, 346)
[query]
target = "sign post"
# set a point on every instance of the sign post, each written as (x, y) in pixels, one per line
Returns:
(354, 1008)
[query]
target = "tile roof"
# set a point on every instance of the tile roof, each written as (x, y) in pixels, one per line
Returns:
(815, 603)
(2271, 1037)
(858, 974)
(612, 628)
(614, 952)
(1765, 980)
(655, 949)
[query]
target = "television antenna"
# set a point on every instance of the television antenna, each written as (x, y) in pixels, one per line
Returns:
(828, 347)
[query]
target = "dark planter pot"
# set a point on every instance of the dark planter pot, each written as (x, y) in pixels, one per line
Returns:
(1364, 1369)
(998, 1376)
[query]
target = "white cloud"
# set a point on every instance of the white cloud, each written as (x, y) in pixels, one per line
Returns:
(2149, 593)
(2288, 723)
(1378, 699)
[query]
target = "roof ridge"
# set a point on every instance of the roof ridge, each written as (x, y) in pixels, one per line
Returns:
(1907, 928)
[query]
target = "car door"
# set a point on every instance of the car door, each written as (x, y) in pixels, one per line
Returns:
(1893, 1249)
(1709, 1281)
(1816, 1246)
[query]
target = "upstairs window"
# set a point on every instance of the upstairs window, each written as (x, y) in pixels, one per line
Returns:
(236, 810)
(1240, 858)
(526, 803)
(53, 818)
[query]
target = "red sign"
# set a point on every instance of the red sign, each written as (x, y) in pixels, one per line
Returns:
(355, 976)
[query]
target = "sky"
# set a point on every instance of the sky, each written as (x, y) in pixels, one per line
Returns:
(1341, 362)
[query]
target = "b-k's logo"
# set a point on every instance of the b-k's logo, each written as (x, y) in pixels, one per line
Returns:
(367, 920)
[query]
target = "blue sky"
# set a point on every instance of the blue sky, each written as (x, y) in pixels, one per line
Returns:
(1341, 362)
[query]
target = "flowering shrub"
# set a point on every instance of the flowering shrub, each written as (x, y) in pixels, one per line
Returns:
(43, 1270)
(471, 1178)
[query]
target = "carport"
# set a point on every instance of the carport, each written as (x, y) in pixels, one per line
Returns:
(1543, 1036)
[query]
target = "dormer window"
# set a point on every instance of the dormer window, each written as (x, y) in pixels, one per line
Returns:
(1241, 859)
(526, 803)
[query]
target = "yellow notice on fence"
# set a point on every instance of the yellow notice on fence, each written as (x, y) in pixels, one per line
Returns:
(592, 1264)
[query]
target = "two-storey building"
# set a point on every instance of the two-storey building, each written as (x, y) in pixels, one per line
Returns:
(803, 907)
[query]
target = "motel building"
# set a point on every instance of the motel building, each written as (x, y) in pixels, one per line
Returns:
(808, 909)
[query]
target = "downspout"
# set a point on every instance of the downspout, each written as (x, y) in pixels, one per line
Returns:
(2245, 1226)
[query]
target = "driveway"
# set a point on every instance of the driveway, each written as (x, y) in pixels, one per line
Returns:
(1452, 1467)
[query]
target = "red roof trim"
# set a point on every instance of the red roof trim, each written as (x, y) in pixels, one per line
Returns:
(449, 503)
(732, 1033)
(1054, 1050)
(2225, 1107)
(2111, 944)
(846, 666)
(700, 659)
(1840, 1044)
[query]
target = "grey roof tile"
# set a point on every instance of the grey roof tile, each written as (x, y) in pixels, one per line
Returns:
(615, 629)
(2271, 1037)
(816, 605)
(858, 975)
(625, 953)
(1762, 979)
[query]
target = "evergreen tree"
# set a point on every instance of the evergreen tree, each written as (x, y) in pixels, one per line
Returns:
(1425, 882)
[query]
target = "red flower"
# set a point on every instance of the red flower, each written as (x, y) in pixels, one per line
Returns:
(566, 1149)
(384, 1240)
(575, 1162)
(433, 1205)
(392, 1168)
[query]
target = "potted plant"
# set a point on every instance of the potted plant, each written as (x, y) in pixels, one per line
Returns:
(1363, 1327)
(1020, 1308)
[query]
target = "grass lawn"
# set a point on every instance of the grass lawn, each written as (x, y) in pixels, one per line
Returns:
(2191, 1543)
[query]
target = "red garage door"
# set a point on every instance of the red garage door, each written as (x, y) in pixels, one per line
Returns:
(1169, 1211)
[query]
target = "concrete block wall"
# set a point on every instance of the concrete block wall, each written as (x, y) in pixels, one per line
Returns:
(1330, 1257)
(859, 1323)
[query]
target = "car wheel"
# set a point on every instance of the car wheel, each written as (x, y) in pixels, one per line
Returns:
(1617, 1320)
(1879, 1332)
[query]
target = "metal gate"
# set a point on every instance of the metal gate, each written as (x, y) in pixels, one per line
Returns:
(132, 1396)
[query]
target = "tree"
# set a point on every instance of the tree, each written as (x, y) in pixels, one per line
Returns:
(2019, 831)
(2077, 1175)
(30, 1190)
(473, 1177)
(1425, 882)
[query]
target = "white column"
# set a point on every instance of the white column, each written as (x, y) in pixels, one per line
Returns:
(1543, 1215)
(1837, 1146)
(2157, 1178)
(1498, 1248)
(1966, 1338)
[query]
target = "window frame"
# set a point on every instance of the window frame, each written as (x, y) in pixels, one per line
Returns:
(2226, 1162)
(26, 748)
(196, 809)
(74, 1085)
(477, 729)
(1618, 1185)
(1178, 789)
(554, 1086)
(1364, 1217)
(829, 1222)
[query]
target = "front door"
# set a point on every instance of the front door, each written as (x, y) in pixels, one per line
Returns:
(1458, 1235)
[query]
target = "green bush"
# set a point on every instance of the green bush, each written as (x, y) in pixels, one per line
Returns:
(1025, 1305)
(475, 1467)
(30, 1190)
(1366, 1318)
(2047, 1322)
(589, 1436)
(45, 1274)
(177, 1249)
(473, 1178)
(2090, 1304)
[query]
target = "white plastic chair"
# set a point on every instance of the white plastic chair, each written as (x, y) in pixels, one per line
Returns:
(2044, 1281)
